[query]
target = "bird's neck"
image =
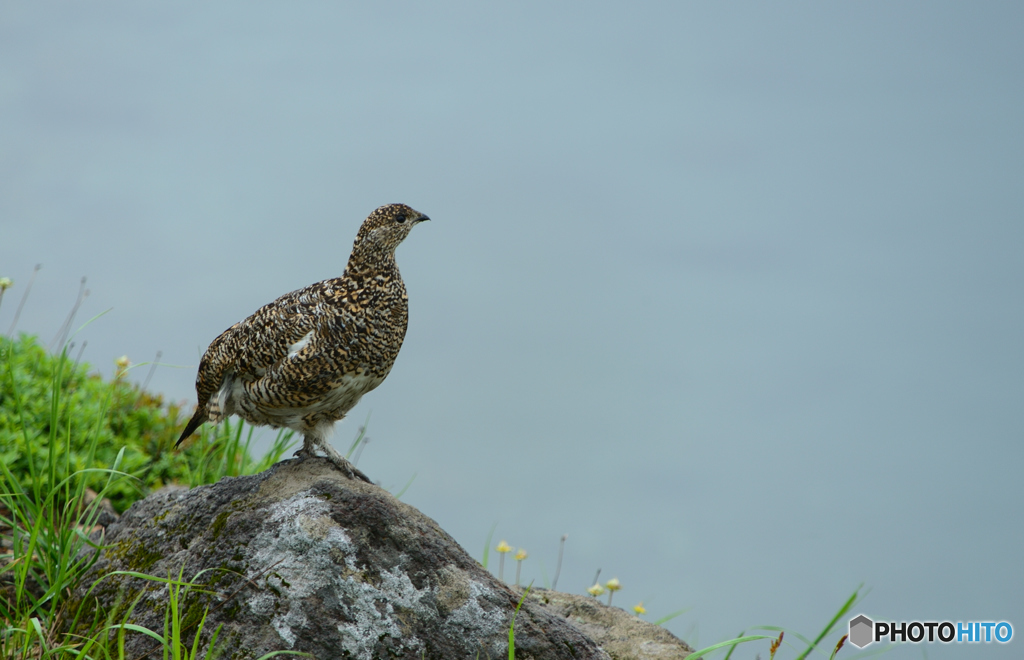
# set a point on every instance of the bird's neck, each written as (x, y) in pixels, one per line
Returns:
(366, 263)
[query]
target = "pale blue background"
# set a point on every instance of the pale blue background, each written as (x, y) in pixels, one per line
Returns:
(733, 294)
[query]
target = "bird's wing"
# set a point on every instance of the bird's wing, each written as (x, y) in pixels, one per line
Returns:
(301, 379)
(250, 348)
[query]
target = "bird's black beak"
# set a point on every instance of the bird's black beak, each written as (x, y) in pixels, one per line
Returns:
(422, 218)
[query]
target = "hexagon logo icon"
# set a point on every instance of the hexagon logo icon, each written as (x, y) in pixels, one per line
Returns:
(862, 631)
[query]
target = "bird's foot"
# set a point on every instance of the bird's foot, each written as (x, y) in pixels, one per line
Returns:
(343, 464)
(351, 471)
(309, 449)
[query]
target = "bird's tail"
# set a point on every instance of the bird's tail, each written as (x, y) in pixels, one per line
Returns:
(193, 424)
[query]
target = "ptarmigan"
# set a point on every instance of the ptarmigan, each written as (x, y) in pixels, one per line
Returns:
(304, 360)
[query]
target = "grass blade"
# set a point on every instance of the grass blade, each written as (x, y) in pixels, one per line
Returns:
(512, 626)
(847, 606)
(669, 617)
(731, 642)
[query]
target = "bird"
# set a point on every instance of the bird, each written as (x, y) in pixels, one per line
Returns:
(304, 360)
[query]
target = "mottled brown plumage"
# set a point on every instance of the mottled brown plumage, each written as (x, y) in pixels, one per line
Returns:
(304, 360)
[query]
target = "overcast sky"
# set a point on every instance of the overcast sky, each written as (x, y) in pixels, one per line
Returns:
(733, 294)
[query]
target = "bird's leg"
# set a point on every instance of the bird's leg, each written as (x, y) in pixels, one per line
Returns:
(308, 447)
(341, 462)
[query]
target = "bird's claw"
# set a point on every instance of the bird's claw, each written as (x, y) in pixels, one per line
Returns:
(351, 471)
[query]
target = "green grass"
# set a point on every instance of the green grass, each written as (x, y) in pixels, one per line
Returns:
(222, 452)
(49, 404)
(70, 441)
(512, 624)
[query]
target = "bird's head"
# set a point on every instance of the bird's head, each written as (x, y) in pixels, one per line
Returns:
(385, 228)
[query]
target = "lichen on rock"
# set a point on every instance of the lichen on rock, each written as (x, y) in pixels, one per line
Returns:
(302, 558)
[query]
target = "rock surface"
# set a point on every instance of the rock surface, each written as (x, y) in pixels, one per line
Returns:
(302, 558)
(622, 635)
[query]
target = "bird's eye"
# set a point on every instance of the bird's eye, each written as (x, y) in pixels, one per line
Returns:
(400, 218)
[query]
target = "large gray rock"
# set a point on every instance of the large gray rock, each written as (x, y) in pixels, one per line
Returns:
(302, 558)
